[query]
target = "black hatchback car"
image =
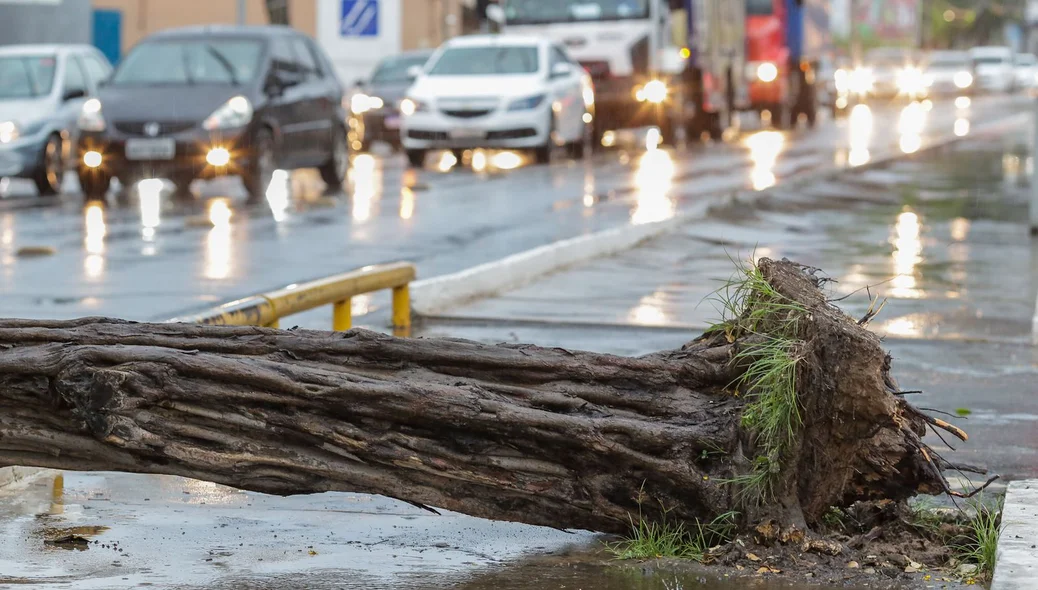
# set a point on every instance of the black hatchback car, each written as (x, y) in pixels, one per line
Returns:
(203, 102)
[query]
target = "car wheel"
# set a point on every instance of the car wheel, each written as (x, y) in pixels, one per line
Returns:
(94, 183)
(333, 172)
(416, 158)
(51, 168)
(261, 169)
(583, 146)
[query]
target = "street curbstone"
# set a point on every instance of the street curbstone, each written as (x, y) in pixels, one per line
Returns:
(1016, 562)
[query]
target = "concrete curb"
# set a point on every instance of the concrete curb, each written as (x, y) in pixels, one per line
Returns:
(1016, 563)
(433, 296)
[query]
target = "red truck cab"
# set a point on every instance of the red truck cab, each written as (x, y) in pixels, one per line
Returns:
(767, 54)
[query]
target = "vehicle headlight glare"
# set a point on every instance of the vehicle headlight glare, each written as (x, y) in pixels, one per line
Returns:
(90, 117)
(8, 132)
(963, 79)
(654, 91)
(236, 112)
(410, 106)
(767, 72)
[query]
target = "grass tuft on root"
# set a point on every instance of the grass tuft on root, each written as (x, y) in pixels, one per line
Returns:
(656, 540)
(769, 322)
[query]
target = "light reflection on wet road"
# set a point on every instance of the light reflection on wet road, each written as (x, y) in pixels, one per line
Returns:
(155, 260)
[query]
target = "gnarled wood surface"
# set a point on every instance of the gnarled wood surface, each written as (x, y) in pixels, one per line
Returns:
(513, 432)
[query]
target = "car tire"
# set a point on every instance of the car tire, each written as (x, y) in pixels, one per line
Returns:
(94, 183)
(416, 158)
(584, 145)
(333, 172)
(261, 168)
(542, 153)
(51, 168)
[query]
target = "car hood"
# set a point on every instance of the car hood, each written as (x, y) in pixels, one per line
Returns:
(23, 111)
(164, 103)
(477, 86)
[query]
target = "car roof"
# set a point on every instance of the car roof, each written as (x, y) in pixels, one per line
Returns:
(195, 31)
(991, 50)
(493, 40)
(38, 48)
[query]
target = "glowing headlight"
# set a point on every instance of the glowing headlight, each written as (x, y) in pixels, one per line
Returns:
(654, 91)
(910, 81)
(861, 81)
(767, 72)
(410, 106)
(236, 112)
(90, 117)
(218, 156)
(362, 103)
(92, 159)
(8, 132)
(963, 79)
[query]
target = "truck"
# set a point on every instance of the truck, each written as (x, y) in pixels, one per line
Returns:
(672, 64)
(786, 40)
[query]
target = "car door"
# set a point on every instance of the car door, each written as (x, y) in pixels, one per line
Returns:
(286, 103)
(566, 91)
(317, 110)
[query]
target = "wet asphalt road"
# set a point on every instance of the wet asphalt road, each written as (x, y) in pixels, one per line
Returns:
(154, 258)
(171, 532)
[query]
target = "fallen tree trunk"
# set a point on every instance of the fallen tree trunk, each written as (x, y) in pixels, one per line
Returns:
(543, 436)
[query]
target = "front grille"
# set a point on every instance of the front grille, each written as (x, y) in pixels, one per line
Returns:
(427, 135)
(512, 133)
(465, 114)
(165, 127)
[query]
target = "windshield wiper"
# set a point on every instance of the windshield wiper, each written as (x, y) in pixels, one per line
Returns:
(226, 63)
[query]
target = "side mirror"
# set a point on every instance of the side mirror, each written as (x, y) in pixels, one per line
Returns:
(414, 71)
(561, 70)
(280, 79)
(73, 94)
(496, 14)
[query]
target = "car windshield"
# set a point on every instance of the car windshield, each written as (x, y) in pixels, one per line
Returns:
(530, 12)
(190, 61)
(395, 69)
(486, 60)
(26, 76)
(760, 7)
(949, 61)
(990, 59)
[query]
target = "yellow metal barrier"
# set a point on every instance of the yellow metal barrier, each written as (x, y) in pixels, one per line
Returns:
(337, 291)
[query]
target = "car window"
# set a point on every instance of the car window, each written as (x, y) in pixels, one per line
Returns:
(304, 58)
(96, 69)
(282, 57)
(313, 56)
(558, 56)
(26, 76)
(394, 69)
(487, 60)
(191, 61)
(75, 79)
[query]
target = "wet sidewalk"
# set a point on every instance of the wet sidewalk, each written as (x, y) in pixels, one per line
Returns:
(942, 238)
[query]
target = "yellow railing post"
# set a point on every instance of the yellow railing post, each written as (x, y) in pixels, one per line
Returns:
(342, 315)
(402, 311)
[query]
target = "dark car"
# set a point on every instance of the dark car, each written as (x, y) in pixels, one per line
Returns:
(203, 102)
(375, 107)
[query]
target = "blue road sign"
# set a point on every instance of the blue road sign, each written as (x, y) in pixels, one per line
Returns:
(359, 18)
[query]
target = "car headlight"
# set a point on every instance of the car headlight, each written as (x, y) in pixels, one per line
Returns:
(410, 106)
(909, 80)
(361, 103)
(236, 112)
(861, 80)
(654, 91)
(525, 104)
(90, 117)
(9, 131)
(963, 79)
(767, 72)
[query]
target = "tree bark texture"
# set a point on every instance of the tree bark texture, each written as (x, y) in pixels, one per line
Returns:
(544, 436)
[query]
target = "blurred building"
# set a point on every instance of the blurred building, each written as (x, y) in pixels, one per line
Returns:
(356, 33)
(45, 21)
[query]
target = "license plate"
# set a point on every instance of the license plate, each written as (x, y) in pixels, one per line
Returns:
(150, 149)
(467, 133)
(392, 122)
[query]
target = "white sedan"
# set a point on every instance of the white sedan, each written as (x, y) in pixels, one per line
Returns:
(498, 92)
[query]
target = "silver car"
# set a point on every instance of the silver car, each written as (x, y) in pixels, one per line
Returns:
(42, 90)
